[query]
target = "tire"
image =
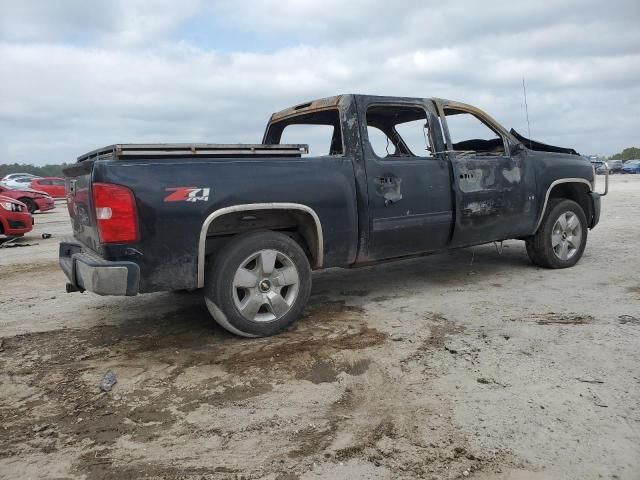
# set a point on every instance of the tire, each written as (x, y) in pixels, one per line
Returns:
(31, 205)
(562, 237)
(258, 284)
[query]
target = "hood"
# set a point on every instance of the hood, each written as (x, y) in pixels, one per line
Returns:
(31, 190)
(11, 200)
(539, 146)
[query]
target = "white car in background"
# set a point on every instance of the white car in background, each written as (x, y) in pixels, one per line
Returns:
(8, 180)
(19, 182)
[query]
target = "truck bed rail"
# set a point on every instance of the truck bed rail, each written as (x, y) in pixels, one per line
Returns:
(128, 150)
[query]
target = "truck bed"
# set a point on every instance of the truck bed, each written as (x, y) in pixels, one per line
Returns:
(158, 150)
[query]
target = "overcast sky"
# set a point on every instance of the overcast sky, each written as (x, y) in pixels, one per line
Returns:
(76, 74)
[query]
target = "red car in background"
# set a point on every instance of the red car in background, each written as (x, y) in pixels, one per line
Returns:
(15, 219)
(54, 186)
(33, 199)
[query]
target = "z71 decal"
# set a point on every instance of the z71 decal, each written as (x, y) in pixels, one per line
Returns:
(187, 194)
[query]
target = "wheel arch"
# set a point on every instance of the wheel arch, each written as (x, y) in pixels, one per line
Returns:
(310, 229)
(576, 189)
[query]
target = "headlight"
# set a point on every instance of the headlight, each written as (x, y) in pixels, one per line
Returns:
(11, 207)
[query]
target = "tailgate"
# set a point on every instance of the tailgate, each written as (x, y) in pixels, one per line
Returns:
(79, 203)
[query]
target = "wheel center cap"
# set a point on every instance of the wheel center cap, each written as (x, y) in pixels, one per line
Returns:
(564, 235)
(265, 285)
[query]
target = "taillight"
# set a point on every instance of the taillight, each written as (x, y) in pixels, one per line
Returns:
(116, 213)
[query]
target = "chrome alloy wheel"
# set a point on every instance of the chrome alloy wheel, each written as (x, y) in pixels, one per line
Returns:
(566, 236)
(265, 286)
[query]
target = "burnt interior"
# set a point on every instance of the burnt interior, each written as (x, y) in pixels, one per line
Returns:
(494, 146)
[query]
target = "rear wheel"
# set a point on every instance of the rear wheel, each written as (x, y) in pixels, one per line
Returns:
(258, 284)
(561, 239)
(31, 205)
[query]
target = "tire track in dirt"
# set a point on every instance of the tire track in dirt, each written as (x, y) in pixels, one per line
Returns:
(8, 271)
(186, 385)
(54, 376)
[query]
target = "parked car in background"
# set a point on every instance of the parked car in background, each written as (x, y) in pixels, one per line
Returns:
(18, 182)
(631, 166)
(33, 199)
(54, 186)
(13, 176)
(15, 219)
(600, 166)
(615, 166)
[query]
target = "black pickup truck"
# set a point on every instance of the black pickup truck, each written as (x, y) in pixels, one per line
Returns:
(343, 181)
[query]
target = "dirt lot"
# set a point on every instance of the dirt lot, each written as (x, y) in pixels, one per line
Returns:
(469, 364)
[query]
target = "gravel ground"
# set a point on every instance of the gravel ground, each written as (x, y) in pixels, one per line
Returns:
(470, 364)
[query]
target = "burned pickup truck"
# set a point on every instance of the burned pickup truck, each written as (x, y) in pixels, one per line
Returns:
(339, 182)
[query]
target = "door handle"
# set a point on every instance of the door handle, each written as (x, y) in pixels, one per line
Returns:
(385, 180)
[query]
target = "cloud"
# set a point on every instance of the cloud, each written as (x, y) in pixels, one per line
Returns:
(78, 75)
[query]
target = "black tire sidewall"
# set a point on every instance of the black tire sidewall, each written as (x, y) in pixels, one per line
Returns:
(219, 288)
(31, 205)
(556, 208)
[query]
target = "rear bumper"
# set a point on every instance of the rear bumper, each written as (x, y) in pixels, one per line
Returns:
(87, 271)
(595, 203)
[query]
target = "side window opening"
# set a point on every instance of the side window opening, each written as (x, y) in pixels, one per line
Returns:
(321, 130)
(469, 134)
(398, 131)
(380, 142)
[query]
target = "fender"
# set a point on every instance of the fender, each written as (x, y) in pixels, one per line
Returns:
(256, 206)
(553, 184)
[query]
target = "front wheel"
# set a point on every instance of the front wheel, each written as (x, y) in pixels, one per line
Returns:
(562, 236)
(31, 205)
(258, 284)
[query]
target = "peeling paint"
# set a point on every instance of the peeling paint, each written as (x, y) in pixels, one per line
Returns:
(477, 179)
(389, 188)
(480, 208)
(512, 176)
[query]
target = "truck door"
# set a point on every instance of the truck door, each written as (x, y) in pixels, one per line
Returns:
(409, 187)
(493, 187)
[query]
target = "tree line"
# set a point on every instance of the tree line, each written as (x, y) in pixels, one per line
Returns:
(631, 153)
(50, 170)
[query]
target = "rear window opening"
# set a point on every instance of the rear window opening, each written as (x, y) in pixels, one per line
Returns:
(321, 130)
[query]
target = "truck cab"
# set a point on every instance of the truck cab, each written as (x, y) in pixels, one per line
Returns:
(435, 174)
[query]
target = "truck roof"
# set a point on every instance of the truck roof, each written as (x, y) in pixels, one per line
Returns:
(333, 102)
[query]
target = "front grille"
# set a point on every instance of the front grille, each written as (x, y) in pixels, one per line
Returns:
(16, 224)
